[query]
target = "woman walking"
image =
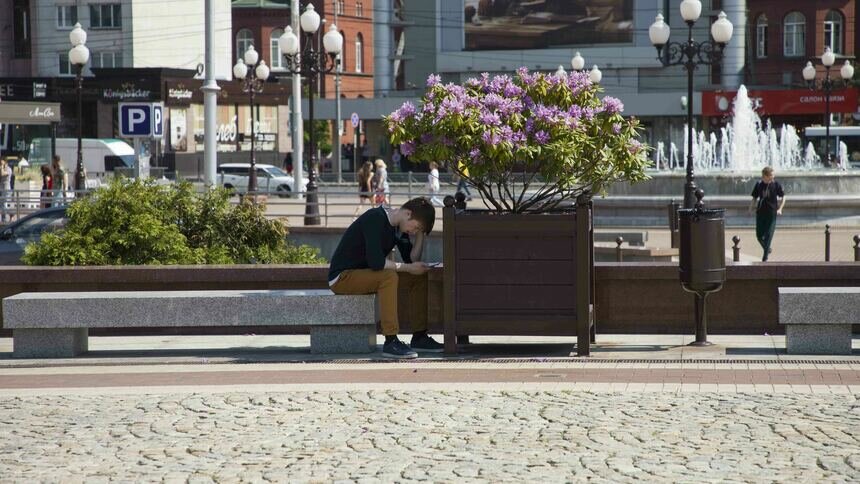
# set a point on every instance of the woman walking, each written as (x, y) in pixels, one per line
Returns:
(5, 188)
(61, 183)
(365, 190)
(47, 185)
(433, 184)
(380, 183)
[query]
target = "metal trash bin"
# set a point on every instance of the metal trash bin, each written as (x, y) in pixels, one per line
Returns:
(674, 236)
(702, 261)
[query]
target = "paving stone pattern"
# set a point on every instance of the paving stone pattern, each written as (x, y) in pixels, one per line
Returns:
(463, 436)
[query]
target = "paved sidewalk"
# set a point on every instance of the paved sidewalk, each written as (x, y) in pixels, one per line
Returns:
(261, 408)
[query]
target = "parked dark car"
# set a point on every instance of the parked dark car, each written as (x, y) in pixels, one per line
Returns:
(16, 236)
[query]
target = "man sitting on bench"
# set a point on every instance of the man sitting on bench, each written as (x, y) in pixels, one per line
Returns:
(360, 266)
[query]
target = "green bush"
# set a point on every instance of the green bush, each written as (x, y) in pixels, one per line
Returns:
(132, 222)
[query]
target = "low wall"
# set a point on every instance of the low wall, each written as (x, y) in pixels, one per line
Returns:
(630, 297)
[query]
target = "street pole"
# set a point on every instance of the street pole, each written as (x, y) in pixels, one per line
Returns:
(690, 54)
(828, 86)
(296, 103)
(80, 179)
(337, 114)
(312, 61)
(210, 99)
(690, 184)
(809, 74)
(252, 178)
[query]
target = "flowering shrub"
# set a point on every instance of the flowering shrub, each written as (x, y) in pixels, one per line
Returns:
(526, 143)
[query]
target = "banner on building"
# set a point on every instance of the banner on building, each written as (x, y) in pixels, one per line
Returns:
(781, 102)
(539, 24)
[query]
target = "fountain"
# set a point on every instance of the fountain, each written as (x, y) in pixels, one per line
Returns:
(727, 163)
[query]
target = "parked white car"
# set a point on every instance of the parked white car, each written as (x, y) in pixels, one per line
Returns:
(270, 179)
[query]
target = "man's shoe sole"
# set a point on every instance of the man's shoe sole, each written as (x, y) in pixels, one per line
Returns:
(428, 350)
(400, 357)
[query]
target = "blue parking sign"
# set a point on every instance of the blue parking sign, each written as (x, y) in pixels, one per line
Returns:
(157, 120)
(141, 120)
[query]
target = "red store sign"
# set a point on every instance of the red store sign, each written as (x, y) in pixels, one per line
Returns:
(785, 102)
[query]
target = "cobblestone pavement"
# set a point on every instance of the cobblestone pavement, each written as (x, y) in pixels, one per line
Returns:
(447, 435)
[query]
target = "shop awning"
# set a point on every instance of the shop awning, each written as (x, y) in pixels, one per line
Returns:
(15, 112)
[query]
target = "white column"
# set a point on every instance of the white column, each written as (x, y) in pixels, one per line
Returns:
(210, 99)
(296, 105)
(733, 62)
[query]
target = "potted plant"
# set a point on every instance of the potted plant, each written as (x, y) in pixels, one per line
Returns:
(530, 145)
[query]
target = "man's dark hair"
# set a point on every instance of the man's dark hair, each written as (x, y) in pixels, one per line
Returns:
(422, 211)
(767, 171)
(56, 158)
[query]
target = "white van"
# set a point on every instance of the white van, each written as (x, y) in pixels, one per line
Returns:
(270, 178)
(100, 156)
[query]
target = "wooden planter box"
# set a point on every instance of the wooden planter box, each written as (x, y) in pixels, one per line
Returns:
(518, 274)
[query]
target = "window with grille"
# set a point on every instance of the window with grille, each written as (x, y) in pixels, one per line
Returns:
(359, 53)
(761, 37)
(65, 64)
(67, 16)
(794, 35)
(833, 31)
(106, 16)
(277, 60)
(244, 39)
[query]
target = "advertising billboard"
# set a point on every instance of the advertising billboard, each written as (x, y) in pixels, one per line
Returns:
(539, 24)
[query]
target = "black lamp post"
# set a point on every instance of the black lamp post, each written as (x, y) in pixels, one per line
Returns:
(826, 85)
(79, 55)
(252, 75)
(311, 61)
(690, 54)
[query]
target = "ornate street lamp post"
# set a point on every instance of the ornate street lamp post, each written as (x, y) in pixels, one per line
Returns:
(826, 85)
(252, 75)
(690, 54)
(311, 61)
(79, 55)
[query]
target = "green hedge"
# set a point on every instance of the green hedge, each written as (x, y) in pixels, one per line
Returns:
(134, 222)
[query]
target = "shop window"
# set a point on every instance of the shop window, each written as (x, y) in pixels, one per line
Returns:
(359, 52)
(244, 39)
(794, 35)
(106, 16)
(67, 16)
(277, 60)
(761, 37)
(833, 31)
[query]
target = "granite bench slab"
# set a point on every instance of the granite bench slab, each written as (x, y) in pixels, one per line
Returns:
(818, 320)
(55, 324)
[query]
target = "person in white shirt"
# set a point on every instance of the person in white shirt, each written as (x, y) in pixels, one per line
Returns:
(433, 184)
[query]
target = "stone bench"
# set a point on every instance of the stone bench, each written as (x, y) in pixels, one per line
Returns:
(55, 324)
(818, 319)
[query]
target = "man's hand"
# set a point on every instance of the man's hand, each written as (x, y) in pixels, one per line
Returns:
(779, 212)
(417, 268)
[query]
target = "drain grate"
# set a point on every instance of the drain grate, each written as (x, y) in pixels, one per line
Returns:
(375, 360)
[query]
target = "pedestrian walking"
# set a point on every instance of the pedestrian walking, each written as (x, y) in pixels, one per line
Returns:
(360, 266)
(768, 199)
(5, 189)
(47, 185)
(365, 189)
(382, 194)
(433, 184)
(462, 184)
(60, 181)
